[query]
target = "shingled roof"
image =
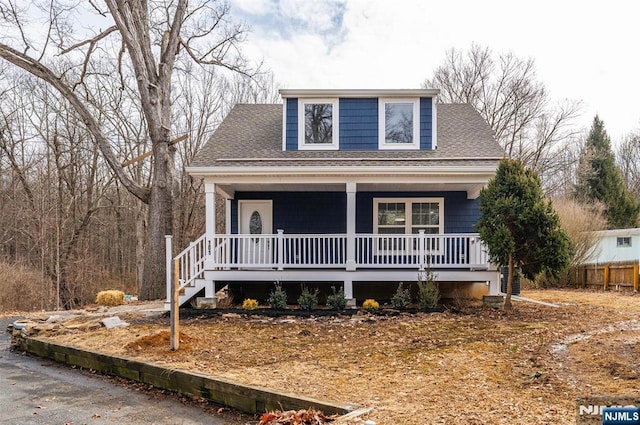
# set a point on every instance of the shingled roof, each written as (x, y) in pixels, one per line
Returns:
(251, 135)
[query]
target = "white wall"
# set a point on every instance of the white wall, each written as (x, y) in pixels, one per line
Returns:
(608, 251)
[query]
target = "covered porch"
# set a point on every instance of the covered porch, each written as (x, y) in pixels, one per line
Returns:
(347, 238)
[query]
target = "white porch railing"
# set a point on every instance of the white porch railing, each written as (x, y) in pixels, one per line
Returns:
(283, 251)
(279, 251)
(191, 262)
(457, 250)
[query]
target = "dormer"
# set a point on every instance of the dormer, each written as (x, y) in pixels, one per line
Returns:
(362, 120)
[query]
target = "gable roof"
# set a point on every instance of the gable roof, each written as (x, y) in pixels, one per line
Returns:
(251, 135)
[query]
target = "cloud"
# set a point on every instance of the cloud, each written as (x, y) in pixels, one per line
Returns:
(255, 7)
(313, 16)
(289, 19)
(582, 51)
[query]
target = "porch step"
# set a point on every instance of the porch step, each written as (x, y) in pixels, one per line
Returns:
(187, 293)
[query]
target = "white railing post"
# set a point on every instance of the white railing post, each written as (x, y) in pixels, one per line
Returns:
(473, 251)
(169, 262)
(280, 250)
(421, 250)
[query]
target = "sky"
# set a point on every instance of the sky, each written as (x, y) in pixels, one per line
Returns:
(583, 50)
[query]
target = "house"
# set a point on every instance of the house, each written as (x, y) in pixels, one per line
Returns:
(615, 246)
(613, 262)
(355, 188)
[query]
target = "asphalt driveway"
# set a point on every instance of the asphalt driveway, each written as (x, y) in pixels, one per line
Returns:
(38, 391)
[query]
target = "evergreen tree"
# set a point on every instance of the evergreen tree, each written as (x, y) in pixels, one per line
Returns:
(600, 180)
(519, 227)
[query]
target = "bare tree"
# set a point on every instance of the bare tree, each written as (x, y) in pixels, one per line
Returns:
(580, 222)
(58, 192)
(628, 159)
(507, 93)
(147, 38)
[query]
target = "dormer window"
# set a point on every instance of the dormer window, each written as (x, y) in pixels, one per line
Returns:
(399, 126)
(317, 124)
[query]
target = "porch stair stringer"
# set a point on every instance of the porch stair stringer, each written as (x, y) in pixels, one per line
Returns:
(188, 292)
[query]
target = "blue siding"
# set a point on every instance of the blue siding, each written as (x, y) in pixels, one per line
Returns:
(460, 213)
(426, 123)
(358, 124)
(300, 212)
(292, 124)
(325, 212)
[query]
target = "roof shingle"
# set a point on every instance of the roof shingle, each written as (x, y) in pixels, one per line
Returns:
(251, 135)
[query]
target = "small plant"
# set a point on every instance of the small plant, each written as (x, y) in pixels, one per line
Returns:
(249, 304)
(110, 298)
(278, 297)
(402, 298)
(336, 301)
(370, 304)
(460, 301)
(308, 300)
(428, 294)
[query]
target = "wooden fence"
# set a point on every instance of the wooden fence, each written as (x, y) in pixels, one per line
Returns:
(609, 276)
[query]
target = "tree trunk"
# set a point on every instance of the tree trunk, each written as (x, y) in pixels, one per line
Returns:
(507, 299)
(141, 232)
(160, 223)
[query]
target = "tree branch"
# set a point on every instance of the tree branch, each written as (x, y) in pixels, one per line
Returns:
(41, 71)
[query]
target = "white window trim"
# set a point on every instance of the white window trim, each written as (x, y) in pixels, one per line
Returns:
(408, 201)
(335, 112)
(381, 124)
(434, 123)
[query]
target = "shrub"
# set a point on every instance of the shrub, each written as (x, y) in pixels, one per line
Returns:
(428, 294)
(110, 298)
(402, 298)
(336, 301)
(249, 304)
(24, 288)
(308, 300)
(278, 297)
(370, 304)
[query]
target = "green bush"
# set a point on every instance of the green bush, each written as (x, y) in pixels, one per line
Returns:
(336, 301)
(428, 294)
(402, 298)
(278, 297)
(308, 300)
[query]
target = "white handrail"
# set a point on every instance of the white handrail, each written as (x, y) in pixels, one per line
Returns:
(192, 261)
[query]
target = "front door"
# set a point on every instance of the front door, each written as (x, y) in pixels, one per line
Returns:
(256, 218)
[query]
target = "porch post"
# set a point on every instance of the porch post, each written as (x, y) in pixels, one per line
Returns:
(227, 216)
(210, 215)
(351, 226)
(210, 238)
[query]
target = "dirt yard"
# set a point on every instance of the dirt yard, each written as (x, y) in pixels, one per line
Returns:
(479, 366)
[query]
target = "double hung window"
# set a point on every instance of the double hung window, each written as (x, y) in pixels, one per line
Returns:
(317, 124)
(407, 217)
(398, 121)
